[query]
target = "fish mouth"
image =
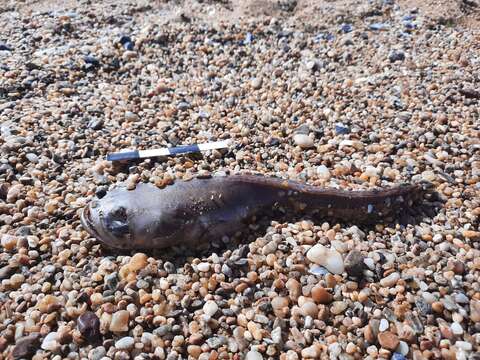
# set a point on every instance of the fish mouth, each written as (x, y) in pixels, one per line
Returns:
(86, 220)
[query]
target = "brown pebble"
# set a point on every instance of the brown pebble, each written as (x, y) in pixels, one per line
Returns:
(369, 334)
(294, 288)
(3, 343)
(388, 340)
(321, 296)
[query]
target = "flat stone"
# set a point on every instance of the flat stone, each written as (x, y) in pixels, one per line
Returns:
(125, 343)
(388, 340)
(119, 321)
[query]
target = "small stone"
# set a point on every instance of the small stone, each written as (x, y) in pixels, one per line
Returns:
(475, 310)
(276, 335)
(210, 308)
(464, 345)
(203, 267)
(320, 295)
(303, 140)
(310, 352)
(428, 175)
(194, 351)
(125, 343)
(33, 158)
(323, 173)
(338, 307)
(253, 355)
(471, 234)
(216, 341)
(50, 342)
(396, 55)
(383, 325)
(390, 280)
(388, 340)
(48, 303)
(280, 306)
(130, 116)
(26, 346)
(97, 353)
(9, 242)
(294, 288)
(403, 348)
(119, 321)
(138, 262)
(334, 349)
(89, 325)
(329, 258)
(309, 308)
(257, 83)
(456, 328)
(354, 263)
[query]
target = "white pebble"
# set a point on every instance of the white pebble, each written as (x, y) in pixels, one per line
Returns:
(125, 343)
(50, 343)
(369, 262)
(203, 266)
(210, 308)
(335, 350)
(390, 280)
(303, 140)
(456, 328)
(464, 345)
(328, 258)
(383, 325)
(428, 297)
(323, 172)
(403, 348)
(253, 355)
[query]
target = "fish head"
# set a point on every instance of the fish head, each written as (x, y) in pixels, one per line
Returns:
(108, 220)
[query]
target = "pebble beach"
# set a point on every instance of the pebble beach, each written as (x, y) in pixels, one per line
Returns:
(342, 94)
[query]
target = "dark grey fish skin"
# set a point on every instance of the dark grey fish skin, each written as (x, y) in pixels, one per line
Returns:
(197, 211)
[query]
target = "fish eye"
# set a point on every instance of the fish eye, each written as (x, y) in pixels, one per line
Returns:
(117, 221)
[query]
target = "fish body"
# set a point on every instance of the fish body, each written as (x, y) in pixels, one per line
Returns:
(197, 211)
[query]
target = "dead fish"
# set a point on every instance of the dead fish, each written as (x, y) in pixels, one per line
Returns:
(196, 211)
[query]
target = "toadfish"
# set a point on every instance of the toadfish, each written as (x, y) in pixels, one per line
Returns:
(196, 211)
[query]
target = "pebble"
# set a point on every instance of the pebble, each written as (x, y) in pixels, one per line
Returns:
(203, 266)
(303, 140)
(320, 295)
(338, 307)
(323, 173)
(253, 355)
(210, 308)
(354, 263)
(383, 325)
(257, 83)
(26, 346)
(125, 343)
(119, 322)
(89, 325)
(388, 340)
(329, 258)
(390, 280)
(50, 342)
(456, 328)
